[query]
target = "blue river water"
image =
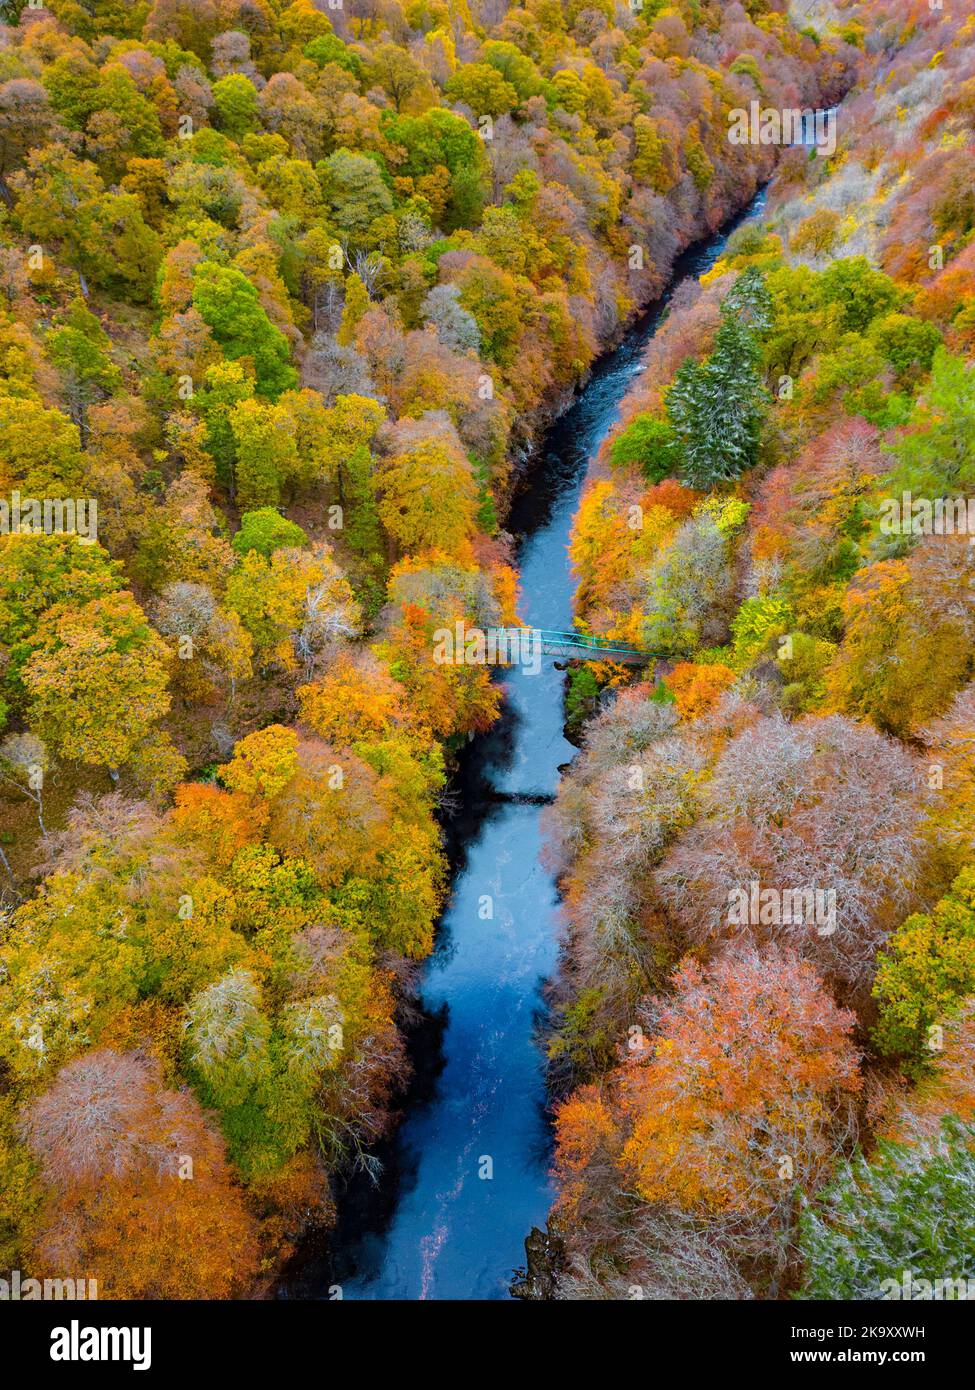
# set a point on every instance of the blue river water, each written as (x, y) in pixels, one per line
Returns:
(467, 1175)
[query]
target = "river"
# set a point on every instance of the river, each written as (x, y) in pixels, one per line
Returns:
(466, 1176)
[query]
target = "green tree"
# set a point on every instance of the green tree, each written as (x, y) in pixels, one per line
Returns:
(235, 98)
(265, 531)
(717, 407)
(329, 48)
(102, 234)
(907, 343)
(934, 453)
(514, 66)
(228, 303)
(482, 87)
(136, 114)
(225, 385)
(651, 443)
(443, 139)
(861, 292)
(78, 350)
(354, 191)
(909, 1211)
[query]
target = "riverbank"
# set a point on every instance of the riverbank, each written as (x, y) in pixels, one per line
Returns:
(480, 1103)
(705, 1148)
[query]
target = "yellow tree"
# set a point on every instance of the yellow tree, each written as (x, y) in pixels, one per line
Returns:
(355, 699)
(263, 763)
(293, 604)
(41, 450)
(98, 681)
(909, 627)
(428, 500)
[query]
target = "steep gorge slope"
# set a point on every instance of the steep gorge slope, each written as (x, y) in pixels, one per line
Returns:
(286, 292)
(766, 846)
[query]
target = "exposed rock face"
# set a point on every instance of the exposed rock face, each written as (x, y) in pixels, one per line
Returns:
(545, 1254)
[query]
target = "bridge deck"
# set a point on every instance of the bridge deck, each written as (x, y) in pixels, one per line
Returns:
(558, 643)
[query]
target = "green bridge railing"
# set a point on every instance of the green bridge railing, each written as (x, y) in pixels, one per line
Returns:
(556, 642)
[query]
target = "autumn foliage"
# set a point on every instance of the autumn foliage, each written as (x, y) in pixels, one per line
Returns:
(287, 294)
(811, 730)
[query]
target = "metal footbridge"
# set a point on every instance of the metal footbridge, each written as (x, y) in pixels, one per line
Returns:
(585, 646)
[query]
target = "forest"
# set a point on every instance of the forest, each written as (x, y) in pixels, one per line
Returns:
(289, 295)
(759, 1101)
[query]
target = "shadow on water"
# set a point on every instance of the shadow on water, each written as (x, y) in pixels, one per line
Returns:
(465, 1177)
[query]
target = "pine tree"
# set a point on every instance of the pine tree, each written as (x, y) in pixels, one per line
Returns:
(717, 407)
(750, 300)
(909, 1213)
